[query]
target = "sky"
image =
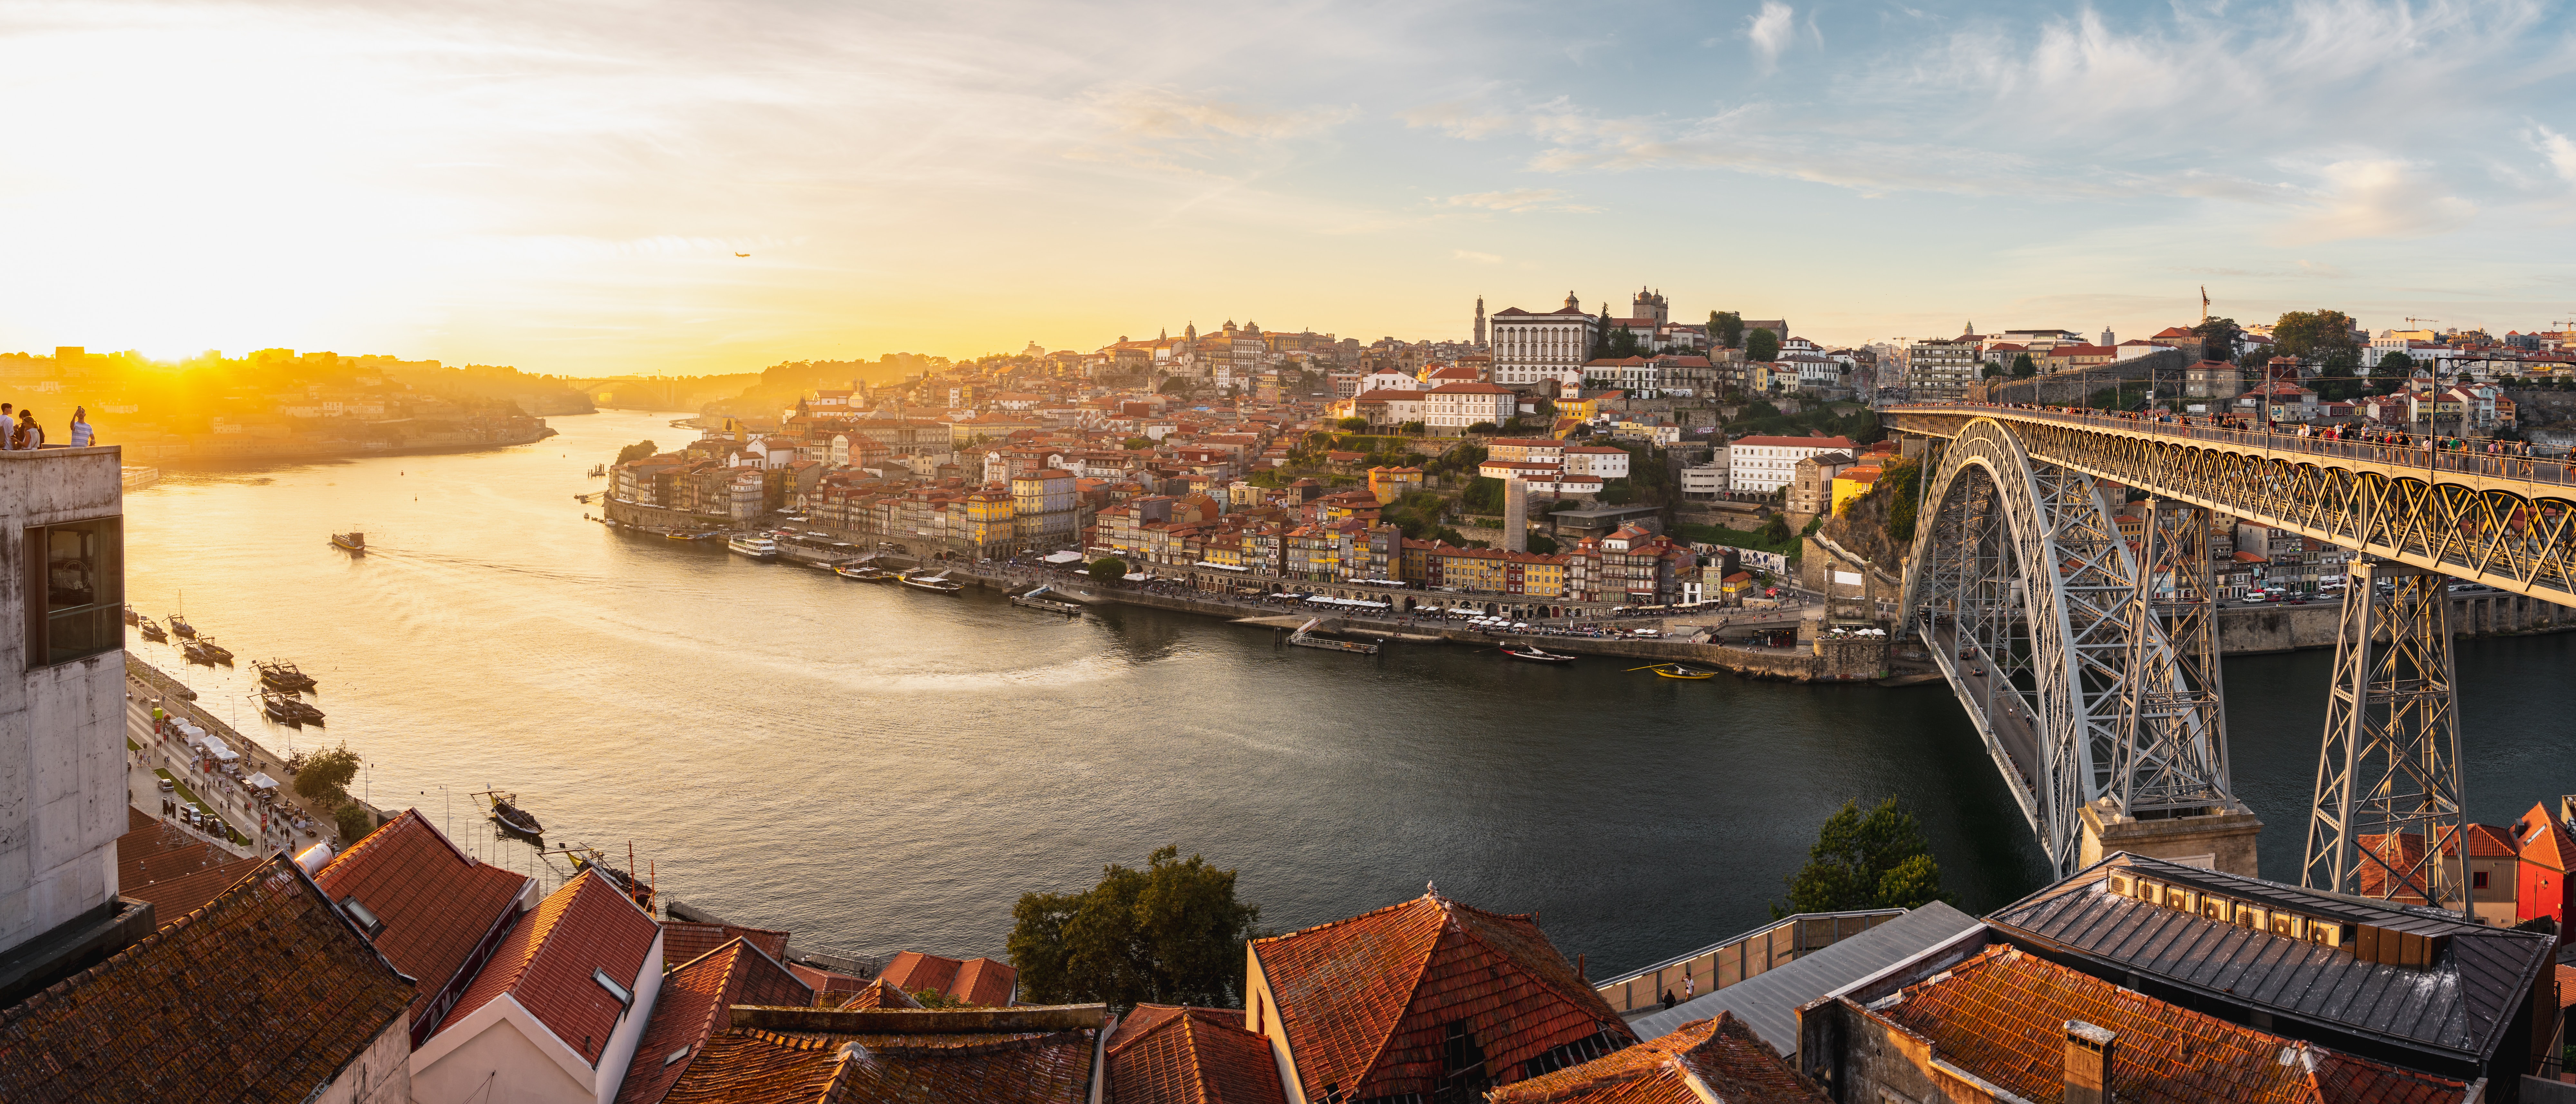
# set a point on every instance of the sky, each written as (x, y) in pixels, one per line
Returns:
(570, 186)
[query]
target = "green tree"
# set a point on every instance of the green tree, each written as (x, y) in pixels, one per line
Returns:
(1600, 335)
(1484, 428)
(2217, 338)
(2023, 367)
(1618, 492)
(1726, 328)
(636, 451)
(1353, 425)
(1415, 429)
(1623, 343)
(1873, 861)
(1137, 443)
(1762, 344)
(1542, 544)
(324, 775)
(2315, 333)
(354, 822)
(1108, 569)
(1991, 372)
(1483, 493)
(1172, 933)
(2393, 370)
(1776, 531)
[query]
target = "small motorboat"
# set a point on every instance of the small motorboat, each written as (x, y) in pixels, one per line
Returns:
(215, 652)
(507, 814)
(936, 584)
(282, 675)
(1532, 653)
(152, 630)
(1676, 671)
(181, 626)
(352, 543)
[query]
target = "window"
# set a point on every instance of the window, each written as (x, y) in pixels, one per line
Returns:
(366, 920)
(2477, 879)
(75, 587)
(624, 999)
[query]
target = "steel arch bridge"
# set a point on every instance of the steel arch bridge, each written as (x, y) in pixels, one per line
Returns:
(2089, 667)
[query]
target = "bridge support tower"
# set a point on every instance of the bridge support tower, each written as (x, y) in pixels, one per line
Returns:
(2388, 775)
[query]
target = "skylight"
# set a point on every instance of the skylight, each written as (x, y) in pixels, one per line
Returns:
(624, 998)
(358, 914)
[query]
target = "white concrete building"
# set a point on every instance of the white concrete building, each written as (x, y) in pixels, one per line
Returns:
(557, 1013)
(1531, 347)
(1451, 408)
(1707, 481)
(1600, 460)
(1761, 465)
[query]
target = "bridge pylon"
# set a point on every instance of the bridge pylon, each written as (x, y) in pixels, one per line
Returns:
(2388, 798)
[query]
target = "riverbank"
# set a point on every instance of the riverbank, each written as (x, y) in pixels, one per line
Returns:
(229, 449)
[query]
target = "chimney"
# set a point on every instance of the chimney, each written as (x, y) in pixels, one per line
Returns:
(2088, 1063)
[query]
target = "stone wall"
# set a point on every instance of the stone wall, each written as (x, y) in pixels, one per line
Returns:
(655, 517)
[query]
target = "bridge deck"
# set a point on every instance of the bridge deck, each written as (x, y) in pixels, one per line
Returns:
(2009, 732)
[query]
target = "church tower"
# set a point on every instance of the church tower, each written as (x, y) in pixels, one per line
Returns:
(1480, 321)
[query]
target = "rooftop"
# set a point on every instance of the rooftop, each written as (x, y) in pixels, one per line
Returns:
(546, 962)
(695, 1002)
(437, 903)
(976, 981)
(1713, 1060)
(1161, 1054)
(807, 1056)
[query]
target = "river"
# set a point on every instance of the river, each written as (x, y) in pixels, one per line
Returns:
(879, 769)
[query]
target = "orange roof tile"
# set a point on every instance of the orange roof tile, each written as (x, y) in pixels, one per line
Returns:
(694, 1003)
(1719, 1059)
(1161, 1054)
(438, 904)
(546, 961)
(755, 1066)
(177, 872)
(875, 994)
(683, 940)
(262, 994)
(2002, 1016)
(1368, 1002)
(2544, 841)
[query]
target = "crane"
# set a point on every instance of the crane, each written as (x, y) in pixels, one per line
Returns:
(2411, 321)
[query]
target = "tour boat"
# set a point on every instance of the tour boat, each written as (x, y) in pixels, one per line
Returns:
(756, 547)
(282, 675)
(152, 629)
(936, 584)
(1676, 671)
(215, 653)
(509, 815)
(1532, 653)
(352, 543)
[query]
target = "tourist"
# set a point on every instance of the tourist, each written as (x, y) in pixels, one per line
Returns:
(8, 428)
(30, 435)
(82, 434)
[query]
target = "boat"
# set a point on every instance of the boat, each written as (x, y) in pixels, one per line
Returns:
(197, 653)
(282, 675)
(597, 470)
(862, 572)
(507, 813)
(1676, 671)
(936, 584)
(288, 709)
(1033, 600)
(152, 630)
(756, 547)
(181, 626)
(352, 543)
(589, 859)
(132, 617)
(215, 653)
(1532, 653)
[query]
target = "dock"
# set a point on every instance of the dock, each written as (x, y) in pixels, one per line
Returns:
(1051, 605)
(1303, 638)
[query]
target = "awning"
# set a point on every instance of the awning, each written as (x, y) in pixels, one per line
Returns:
(1061, 557)
(1135, 576)
(261, 781)
(222, 753)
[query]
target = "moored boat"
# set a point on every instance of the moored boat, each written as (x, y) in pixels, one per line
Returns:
(181, 626)
(282, 675)
(1676, 671)
(862, 572)
(507, 813)
(288, 709)
(353, 543)
(132, 617)
(597, 470)
(1532, 653)
(152, 630)
(197, 653)
(755, 546)
(937, 584)
(216, 653)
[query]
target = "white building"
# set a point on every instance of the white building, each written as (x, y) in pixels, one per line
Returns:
(1451, 408)
(1600, 460)
(1761, 465)
(1545, 450)
(1531, 347)
(1706, 481)
(556, 1014)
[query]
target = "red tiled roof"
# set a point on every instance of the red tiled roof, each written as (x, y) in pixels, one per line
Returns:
(438, 903)
(683, 940)
(1367, 1003)
(1728, 1062)
(2544, 841)
(2002, 1016)
(176, 897)
(262, 994)
(977, 981)
(875, 994)
(753, 1066)
(694, 1003)
(1166, 1055)
(546, 961)
(177, 872)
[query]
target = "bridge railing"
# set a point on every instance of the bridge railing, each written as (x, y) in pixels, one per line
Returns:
(2415, 452)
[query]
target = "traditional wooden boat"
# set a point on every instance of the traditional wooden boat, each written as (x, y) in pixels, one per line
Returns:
(864, 573)
(589, 859)
(288, 709)
(1532, 653)
(507, 814)
(181, 626)
(132, 617)
(1676, 671)
(352, 543)
(197, 653)
(282, 675)
(215, 653)
(152, 630)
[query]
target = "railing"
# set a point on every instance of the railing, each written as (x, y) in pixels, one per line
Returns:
(2413, 453)
(1748, 955)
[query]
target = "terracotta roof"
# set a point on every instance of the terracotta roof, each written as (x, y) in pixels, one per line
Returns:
(875, 994)
(263, 994)
(754, 1066)
(694, 1003)
(438, 904)
(176, 897)
(546, 961)
(177, 872)
(2544, 841)
(683, 940)
(1368, 1003)
(1166, 1055)
(1719, 1059)
(2002, 1016)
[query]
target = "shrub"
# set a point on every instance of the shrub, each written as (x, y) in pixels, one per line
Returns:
(324, 775)
(355, 822)
(1108, 569)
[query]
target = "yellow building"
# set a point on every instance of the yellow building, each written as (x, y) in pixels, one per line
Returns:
(1852, 483)
(989, 518)
(1389, 484)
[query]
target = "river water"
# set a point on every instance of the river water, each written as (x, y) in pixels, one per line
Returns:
(880, 769)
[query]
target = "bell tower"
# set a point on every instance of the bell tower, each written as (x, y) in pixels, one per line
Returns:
(1480, 321)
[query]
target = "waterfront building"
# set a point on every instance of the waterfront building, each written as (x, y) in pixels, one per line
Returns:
(1429, 998)
(558, 1012)
(62, 750)
(1045, 508)
(1643, 568)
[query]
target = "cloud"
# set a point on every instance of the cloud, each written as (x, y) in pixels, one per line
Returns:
(2320, 269)
(1479, 258)
(1770, 30)
(1519, 201)
(2377, 199)
(1166, 113)
(2560, 151)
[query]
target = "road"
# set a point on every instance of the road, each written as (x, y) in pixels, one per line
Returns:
(265, 824)
(2013, 726)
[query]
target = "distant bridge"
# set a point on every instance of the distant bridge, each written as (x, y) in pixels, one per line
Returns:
(2088, 660)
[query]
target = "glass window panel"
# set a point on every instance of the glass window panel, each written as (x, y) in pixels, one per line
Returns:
(77, 588)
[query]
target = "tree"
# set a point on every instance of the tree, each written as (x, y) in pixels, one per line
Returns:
(1484, 428)
(2023, 367)
(636, 451)
(1542, 544)
(1618, 492)
(1353, 425)
(1623, 343)
(1137, 443)
(1108, 569)
(2393, 370)
(1874, 861)
(1726, 328)
(1762, 344)
(1415, 429)
(1172, 933)
(324, 775)
(1776, 531)
(2217, 338)
(353, 822)
(1483, 493)
(2314, 333)
(1601, 335)
(1991, 372)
